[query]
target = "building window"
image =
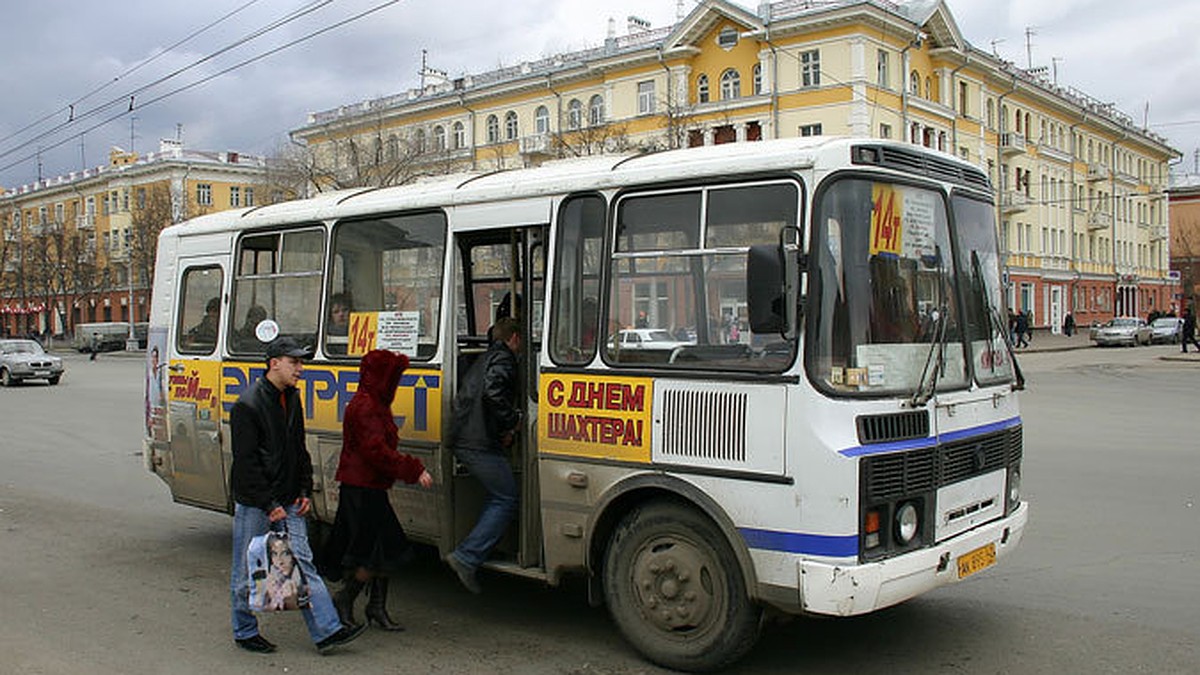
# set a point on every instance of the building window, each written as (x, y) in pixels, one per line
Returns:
(731, 85)
(90, 208)
(645, 97)
(420, 141)
(511, 130)
(460, 136)
(392, 148)
(962, 100)
(249, 194)
(810, 68)
(541, 119)
(596, 110)
(810, 130)
(914, 83)
(756, 73)
(702, 89)
(235, 196)
(574, 114)
(493, 129)
(727, 38)
(141, 198)
(881, 69)
(204, 194)
(58, 213)
(885, 130)
(439, 138)
(991, 114)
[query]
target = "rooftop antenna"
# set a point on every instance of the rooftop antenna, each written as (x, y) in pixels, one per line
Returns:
(39, 163)
(82, 154)
(1029, 33)
(996, 52)
(424, 63)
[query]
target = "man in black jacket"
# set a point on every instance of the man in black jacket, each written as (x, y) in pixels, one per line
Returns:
(271, 479)
(485, 418)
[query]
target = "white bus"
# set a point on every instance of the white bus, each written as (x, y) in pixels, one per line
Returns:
(820, 415)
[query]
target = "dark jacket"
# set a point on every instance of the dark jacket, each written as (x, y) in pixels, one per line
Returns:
(485, 407)
(1189, 325)
(271, 465)
(369, 435)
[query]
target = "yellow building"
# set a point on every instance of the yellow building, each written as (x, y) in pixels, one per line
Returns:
(1079, 188)
(80, 248)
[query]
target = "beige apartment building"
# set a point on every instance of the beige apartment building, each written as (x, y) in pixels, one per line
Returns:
(1080, 189)
(80, 248)
(1184, 206)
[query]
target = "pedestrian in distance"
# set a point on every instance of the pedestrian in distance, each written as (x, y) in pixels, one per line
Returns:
(368, 544)
(1189, 330)
(95, 346)
(271, 480)
(1022, 327)
(1069, 325)
(485, 421)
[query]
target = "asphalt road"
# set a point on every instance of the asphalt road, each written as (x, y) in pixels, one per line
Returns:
(101, 573)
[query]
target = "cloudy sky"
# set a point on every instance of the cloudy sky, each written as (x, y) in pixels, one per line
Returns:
(90, 57)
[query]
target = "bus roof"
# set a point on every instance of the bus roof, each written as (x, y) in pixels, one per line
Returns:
(554, 177)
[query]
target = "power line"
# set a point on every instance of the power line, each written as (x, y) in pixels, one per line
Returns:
(197, 83)
(70, 107)
(131, 96)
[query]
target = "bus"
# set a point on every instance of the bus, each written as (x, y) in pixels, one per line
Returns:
(819, 416)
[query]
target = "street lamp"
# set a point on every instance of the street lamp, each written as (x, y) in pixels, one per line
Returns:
(131, 342)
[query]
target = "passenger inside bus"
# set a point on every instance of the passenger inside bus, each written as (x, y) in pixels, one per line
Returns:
(338, 326)
(246, 339)
(204, 334)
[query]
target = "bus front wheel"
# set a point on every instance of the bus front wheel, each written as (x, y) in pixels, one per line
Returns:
(676, 591)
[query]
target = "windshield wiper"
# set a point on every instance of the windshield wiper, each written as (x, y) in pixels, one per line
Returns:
(992, 315)
(937, 349)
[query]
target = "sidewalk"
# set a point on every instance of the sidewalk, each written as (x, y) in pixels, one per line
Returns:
(1044, 341)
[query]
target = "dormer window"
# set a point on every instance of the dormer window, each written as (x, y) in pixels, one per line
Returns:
(727, 38)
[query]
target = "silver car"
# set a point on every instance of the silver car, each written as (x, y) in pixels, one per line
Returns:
(1168, 329)
(1124, 330)
(22, 360)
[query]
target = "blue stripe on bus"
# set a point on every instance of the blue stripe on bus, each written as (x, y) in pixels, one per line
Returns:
(799, 542)
(916, 443)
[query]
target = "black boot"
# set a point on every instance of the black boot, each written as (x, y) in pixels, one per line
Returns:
(377, 606)
(344, 599)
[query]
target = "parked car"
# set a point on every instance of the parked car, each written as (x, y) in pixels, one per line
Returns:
(1167, 329)
(1124, 330)
(647, 339)
(22, 360)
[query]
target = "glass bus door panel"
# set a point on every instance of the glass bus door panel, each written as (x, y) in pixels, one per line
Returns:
(197, 464)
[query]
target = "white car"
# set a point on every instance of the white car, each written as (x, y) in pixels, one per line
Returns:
(1167, 329)
(22, 360)
(1124, 330)
(655, 339)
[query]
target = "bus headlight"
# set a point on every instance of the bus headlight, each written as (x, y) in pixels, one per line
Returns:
(907, 523)
(1014, 486)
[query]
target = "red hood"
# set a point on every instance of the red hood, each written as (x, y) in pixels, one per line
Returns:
(379, 374)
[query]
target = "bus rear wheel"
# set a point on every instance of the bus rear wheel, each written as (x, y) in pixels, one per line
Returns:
(676, 591)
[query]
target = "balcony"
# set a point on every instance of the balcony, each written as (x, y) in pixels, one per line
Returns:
(1012, 144)
(1158, 232)
(1012, 201)
(85, 222)
(1097, 172)
(538, 144)
(1098, 220)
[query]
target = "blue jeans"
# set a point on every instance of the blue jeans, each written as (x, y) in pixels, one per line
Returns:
(249, 522)
(496, 476)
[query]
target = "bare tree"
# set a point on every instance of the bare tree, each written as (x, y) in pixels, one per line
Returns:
(153, 211)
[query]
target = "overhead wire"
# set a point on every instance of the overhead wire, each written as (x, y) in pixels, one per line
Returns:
(70, 107)
(131, 96)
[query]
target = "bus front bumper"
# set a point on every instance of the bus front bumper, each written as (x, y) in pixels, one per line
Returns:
(846, 590)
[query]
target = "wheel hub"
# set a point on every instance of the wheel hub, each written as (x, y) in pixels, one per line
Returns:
(674, 586)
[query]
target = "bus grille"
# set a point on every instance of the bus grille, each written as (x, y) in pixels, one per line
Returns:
(925, 469)
(704, 425)
(893, 427)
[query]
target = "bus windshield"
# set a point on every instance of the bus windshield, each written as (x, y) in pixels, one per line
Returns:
(883, 317)
(978, 261)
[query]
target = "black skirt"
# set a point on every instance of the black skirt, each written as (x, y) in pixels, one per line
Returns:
(366, 533)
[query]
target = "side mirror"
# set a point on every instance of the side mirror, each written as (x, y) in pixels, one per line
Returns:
(773, 285)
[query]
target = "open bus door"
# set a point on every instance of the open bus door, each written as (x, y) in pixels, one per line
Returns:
(195, 465)
(500, 272)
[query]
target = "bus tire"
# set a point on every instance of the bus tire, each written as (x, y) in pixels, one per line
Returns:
(675, 589)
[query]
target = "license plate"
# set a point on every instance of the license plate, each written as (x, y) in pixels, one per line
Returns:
(979, 559)
(42, 373)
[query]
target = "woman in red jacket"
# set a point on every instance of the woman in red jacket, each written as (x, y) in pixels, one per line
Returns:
(368, 541)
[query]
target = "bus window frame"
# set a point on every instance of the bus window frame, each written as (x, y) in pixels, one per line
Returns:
(180, 330)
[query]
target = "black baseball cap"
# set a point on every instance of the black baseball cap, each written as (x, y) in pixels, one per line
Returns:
(286, 346)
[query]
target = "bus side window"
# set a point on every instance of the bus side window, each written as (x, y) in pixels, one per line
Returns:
(278, 275)
(576, 282)
(199, 310)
